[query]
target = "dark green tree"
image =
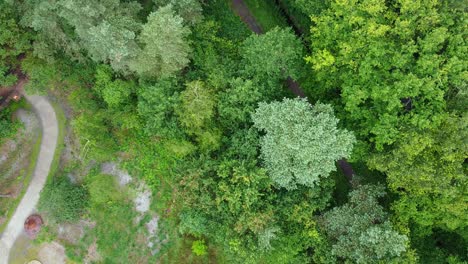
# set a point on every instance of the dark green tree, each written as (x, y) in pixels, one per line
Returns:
(360, 230)
(274, 55)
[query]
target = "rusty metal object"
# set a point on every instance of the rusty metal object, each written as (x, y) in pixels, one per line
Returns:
(32, 225)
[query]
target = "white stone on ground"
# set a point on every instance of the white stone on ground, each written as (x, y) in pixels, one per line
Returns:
(143, 199)
(52, 253)
(112, 168)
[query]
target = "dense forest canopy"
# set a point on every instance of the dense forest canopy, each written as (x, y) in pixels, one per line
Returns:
(189, 100)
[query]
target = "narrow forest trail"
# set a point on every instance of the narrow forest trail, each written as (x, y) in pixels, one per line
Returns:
(240, 8)
(49, 124)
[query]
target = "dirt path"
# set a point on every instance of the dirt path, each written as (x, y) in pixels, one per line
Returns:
(241, 9)
(46, 113)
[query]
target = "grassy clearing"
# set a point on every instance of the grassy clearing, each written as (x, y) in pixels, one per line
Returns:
(267, 14)
(119, 237)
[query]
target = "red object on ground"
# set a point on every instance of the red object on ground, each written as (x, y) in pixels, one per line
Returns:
(32, 225)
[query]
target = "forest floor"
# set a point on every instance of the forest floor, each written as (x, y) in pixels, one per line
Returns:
(242, 10)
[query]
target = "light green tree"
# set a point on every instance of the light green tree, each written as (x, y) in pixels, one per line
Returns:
(392, 62)
(301, 142)
(189, 10)
(104, 29)
(166, 48)
(114, 92)
(196, 111)
(427, 169)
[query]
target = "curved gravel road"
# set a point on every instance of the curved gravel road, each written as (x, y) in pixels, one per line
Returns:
(46, 114)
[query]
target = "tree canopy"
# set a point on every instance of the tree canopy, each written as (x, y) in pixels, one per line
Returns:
(301, 142)
(360, 230)
(368, 167)
(165, 48)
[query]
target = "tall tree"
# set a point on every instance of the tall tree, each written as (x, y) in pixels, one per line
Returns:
(196, 113)
(237, 103)
(13, 41)
(360, 230)
(189, 10)
(427, 169)
(400, 70)
(301, 142)
(106, 30)
(392, 63)
(166, 48)
(274, 55)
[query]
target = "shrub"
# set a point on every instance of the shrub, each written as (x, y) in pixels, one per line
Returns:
(199, 248)
(62, 200)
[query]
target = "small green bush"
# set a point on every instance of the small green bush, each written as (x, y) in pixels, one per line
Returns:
(199, 248)
(62, 200)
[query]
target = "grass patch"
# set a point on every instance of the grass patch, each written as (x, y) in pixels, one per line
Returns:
(267, 14)
(119, 238)
(62, 122)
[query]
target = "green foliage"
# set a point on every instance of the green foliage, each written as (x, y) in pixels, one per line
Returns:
(156, 104)
(391, 61)
(13, 42)
(189, 10)
(302, 142)
(114, 92)
(199, 248)
(41, 74)
(274, 55)
(299, 11)
(267, 14)
(166, 49)
(94, 134)
(62, 200)
(195, 113)
(360, 230)
(8, 127)
(427, 169)
(238, 103)
(231, 26)
(214, 57)
(309, 7)
(105, 29)
(440, 246)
